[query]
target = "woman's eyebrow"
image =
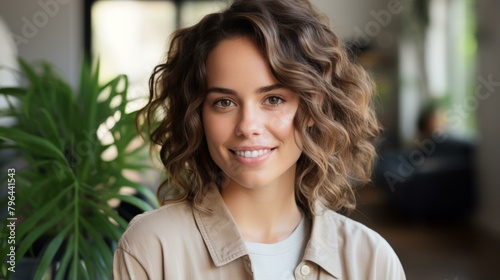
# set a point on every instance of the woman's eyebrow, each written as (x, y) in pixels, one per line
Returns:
(230, 91)
(269, 88)
(220, 90)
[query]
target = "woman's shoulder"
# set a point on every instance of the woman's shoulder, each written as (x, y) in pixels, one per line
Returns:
(355, 245)
(345, 226)
(158, 224)
(353, 236)
(165, 214)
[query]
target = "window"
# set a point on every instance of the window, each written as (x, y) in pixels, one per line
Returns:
(131, 37)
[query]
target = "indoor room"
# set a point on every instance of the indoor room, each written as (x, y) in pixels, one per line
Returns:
(75, 73)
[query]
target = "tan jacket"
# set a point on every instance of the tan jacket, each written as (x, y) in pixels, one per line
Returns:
(178, 242)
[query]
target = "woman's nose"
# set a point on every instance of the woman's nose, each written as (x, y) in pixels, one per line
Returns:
(250, 122)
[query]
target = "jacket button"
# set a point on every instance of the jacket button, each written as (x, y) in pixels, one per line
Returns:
(305, 270)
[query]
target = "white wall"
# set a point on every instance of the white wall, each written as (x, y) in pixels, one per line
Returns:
(47, 30)
(489, 114)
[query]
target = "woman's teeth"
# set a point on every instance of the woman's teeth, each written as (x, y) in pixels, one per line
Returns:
(251, 154)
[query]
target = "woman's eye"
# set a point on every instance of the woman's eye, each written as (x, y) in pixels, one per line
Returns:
(224, 103)
(274, 100)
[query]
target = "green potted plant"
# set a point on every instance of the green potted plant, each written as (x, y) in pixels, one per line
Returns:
(79, 149)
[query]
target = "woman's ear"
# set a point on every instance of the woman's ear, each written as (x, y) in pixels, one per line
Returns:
(318, 100)
(310, 122)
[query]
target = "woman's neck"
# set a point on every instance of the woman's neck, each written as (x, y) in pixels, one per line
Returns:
(266, 215)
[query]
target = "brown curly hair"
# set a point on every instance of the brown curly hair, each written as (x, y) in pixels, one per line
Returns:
(304, 55)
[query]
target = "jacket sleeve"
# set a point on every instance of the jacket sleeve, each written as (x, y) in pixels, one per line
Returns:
(126, 266)
(387, 263)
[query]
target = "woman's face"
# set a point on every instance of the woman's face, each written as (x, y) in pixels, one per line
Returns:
(249, 118)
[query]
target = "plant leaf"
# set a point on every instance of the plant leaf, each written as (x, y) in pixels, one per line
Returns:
(100, 245)
(41, 229)
(50, 252)
(139, 203)
(13, 91)
(63, 265)
(31, 143)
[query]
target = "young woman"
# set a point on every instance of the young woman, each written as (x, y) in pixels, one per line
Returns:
(265, 127)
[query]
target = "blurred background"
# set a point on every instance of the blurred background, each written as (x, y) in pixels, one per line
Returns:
(436, 186)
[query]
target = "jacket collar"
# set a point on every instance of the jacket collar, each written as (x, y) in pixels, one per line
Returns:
(224, 242)
(323, 248)
(218, 229)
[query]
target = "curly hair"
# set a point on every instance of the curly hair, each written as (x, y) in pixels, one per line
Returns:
(304, 55)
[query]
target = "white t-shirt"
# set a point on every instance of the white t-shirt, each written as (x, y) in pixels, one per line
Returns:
(277, 261)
